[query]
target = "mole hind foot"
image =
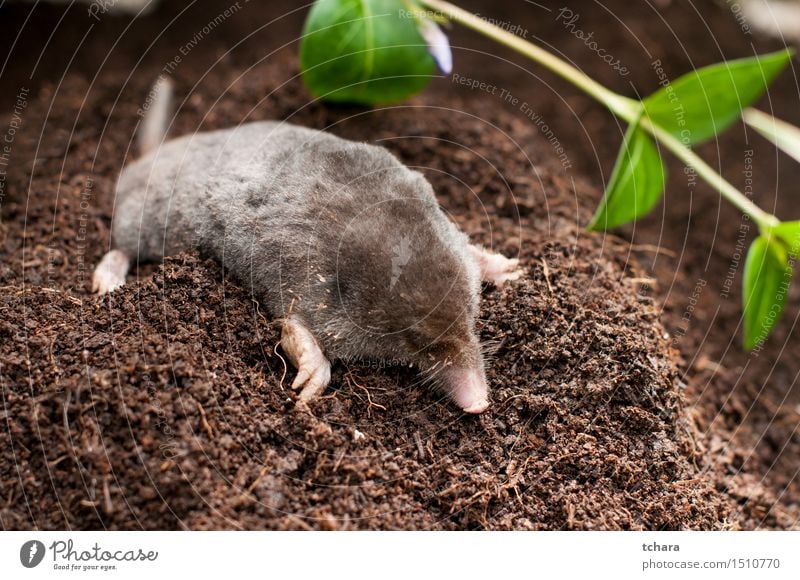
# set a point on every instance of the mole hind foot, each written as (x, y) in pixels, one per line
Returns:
(313, 369)
(110, 272)
(496, 268)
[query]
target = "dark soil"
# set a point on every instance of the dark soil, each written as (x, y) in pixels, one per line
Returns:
(165, 404)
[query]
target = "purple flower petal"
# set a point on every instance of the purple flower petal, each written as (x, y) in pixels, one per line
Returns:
(438, 44)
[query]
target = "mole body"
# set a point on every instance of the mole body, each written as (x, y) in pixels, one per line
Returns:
(338, 239)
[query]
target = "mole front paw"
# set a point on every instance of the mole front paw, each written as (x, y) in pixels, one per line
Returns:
(313, 368)
(110, 272)
(313, 375)
(496, 268)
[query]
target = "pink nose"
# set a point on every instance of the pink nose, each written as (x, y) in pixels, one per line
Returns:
(468, 389)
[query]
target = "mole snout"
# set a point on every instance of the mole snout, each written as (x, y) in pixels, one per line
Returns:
(341, 242)
(468, 388)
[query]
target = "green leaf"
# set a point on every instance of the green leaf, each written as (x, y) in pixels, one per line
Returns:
(636, 183)
(789, 234)
(767, 274)
(703, 103)
(781, 133)
(364, 51)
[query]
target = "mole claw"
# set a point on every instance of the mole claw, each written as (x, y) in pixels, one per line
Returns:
(300, 379)
(496, 268)
(312, 389)
(110, 272)
(313, 368)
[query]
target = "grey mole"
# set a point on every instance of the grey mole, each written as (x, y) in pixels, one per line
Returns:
(338, 239)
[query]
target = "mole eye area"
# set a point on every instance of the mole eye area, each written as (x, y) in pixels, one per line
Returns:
(440, 336)
(427, 349)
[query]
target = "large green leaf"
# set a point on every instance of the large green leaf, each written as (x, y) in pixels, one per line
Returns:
(636, 183)
(767, 274)
(703, 103)
(363, 51)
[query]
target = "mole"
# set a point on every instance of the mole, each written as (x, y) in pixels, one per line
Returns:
(339, 240)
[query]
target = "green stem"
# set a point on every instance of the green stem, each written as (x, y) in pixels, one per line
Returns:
(623, 107)
(764, 220)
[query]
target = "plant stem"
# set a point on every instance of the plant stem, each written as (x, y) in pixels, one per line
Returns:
(624, 107)
(764, 219)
